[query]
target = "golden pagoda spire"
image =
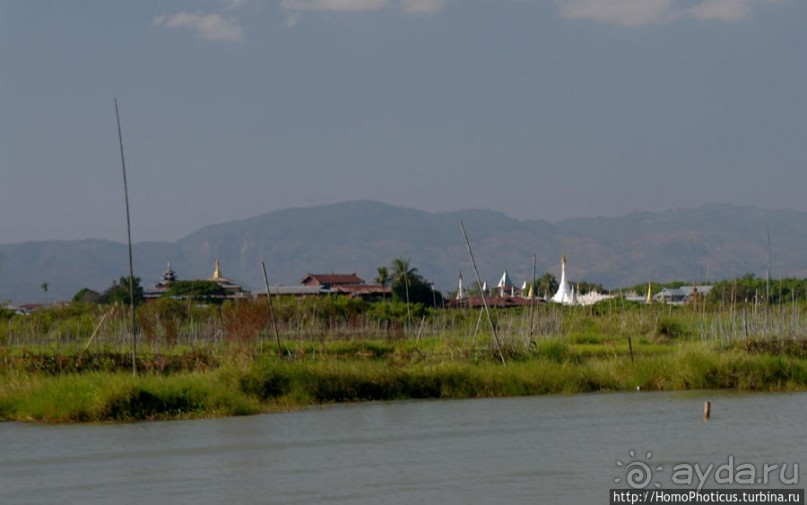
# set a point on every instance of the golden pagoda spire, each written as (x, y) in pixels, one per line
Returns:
(217, 271)
(649, 298)
(563, 258)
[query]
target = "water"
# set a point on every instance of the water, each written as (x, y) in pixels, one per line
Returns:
(552, 449)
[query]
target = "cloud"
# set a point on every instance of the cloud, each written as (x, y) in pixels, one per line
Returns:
(208, 26)
(422, 6)
(641, 12)
(621, 12)
(295, 8)
(722, 10)
(334, 5)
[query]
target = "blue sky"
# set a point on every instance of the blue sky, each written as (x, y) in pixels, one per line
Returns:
(542, 109)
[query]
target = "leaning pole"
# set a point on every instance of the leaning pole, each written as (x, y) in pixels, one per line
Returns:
(129, 242)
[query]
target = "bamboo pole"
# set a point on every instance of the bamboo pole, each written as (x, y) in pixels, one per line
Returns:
(484, 299)
(129, 243)
(271, 310)
(532, 303)
(98, 328)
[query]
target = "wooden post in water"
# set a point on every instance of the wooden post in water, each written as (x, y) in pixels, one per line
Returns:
(707, 410)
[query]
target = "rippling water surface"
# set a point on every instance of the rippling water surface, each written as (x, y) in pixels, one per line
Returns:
(552, 449)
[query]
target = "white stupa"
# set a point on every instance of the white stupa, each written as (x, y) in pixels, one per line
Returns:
(568, 295)
(505, 285)
(565, 294)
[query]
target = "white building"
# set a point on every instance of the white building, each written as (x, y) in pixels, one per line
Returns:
(567, 295)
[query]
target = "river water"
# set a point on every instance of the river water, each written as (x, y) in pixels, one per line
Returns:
(551, 449)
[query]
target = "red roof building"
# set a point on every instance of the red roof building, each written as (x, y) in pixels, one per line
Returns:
(331, 280)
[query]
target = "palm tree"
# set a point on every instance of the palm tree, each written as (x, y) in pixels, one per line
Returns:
(402, 272)
(382, 278)
(547, 284)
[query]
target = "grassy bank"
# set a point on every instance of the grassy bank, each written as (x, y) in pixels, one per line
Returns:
(63, 365)
(269, 383)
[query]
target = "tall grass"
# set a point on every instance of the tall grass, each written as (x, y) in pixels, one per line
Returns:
(99, 396)
(269, 383)
(210, 361)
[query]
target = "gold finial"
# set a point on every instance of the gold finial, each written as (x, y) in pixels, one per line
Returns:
(217, 271)
(563, 258)
(649, 298)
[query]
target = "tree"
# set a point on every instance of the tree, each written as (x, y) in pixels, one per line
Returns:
(198, 291)
(584, 287)
(118, 292)
(383, 277)
(545, 286)
(402, 275)
(409, 286)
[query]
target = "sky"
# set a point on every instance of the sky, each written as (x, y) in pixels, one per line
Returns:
(541, 109)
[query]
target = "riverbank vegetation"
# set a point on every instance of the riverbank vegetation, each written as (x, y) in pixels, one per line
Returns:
(74, 363)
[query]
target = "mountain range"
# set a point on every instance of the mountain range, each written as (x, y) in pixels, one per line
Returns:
(697, 245)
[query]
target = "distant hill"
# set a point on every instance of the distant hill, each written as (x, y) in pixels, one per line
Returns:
(702, 244)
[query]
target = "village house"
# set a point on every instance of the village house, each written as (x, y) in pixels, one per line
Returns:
(682, 295)
(327, 284)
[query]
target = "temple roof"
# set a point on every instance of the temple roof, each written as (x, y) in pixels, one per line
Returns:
(505, 281)
(332, 280)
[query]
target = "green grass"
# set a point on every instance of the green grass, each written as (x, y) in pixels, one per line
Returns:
(46, 375)
(268, 383)
(103, 396)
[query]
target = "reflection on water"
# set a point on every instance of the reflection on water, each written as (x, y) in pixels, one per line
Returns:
(554, 449)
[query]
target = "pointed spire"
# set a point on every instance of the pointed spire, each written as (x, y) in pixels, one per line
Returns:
(217, 271)
(460, 290)
(168, 275)
(649, 298)
(504, 283)
(564, 293)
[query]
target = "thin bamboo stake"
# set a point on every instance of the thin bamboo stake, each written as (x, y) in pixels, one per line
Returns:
(98, 328)
(532, 302)
(768, 272)
(271, 310)
(129, 242)
(484, 299)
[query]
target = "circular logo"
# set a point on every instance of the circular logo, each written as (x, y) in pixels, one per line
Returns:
(638, 473)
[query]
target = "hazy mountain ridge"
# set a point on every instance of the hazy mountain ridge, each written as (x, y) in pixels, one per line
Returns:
(706, 243)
